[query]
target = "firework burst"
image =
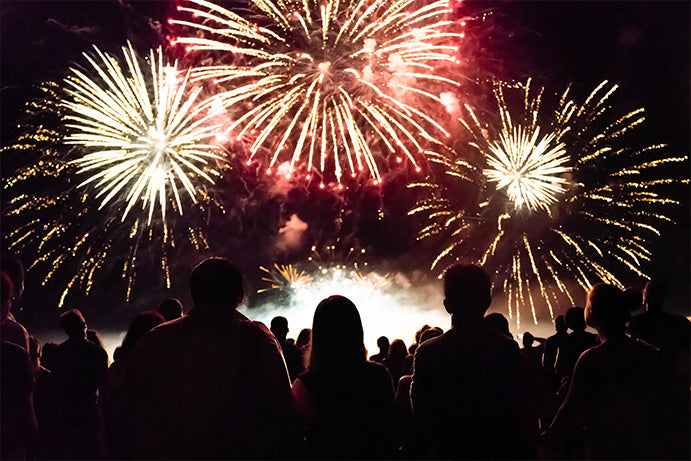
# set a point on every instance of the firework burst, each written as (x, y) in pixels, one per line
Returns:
(284, 277)
(142, 138)
(329, 85)
(128, 140)
(562, 198)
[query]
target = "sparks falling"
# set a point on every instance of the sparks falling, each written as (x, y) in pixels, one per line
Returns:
(565, 201)
(114, 146)
(335, 86)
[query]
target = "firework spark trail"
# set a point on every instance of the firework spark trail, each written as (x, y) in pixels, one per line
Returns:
(563, 199)
(336, 82)
(123, 134)
(141, 137)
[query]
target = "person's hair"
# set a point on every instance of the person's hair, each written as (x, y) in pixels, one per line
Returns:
(397, 350)
(430, 333)
(304, 338)
(575, 318)
(497, 322)
(420, 331)
(337, 336)
(467, 291)
(170, 309)
(383, 343)
(7, 292)
(141, 324)
(6, 287)
(216, 282)
(606, 309)
(15, 271)
(73, 323)
(560, 324)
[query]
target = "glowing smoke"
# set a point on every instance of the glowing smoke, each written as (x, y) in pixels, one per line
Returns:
(290, 235)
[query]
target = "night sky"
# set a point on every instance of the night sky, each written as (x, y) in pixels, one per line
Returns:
(642, 46)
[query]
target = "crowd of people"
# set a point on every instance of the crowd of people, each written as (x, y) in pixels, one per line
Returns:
(212, 384)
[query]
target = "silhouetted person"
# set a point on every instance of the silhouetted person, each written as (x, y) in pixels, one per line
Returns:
(408, 364)
(575, 343)
(11, 330)
(497, 322)
(467, 389)
(19, 427)
(395, 359)
(404, 413)
(304, 338)
(672, 335)
(530, 350)
(613, 387)
(111, 386)
(553, 343)
(211, 384)
(541, 406)
(383, 345)
(291, 353)
(669, 332)
(170, 309)
(79, 369)
(304, 342)
(345, 401)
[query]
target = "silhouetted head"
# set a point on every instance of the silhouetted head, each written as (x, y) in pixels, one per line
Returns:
(420, 331)
(560, 324)
(497, 322)
(654, 295)
(304, 338)
(633, 299)
(397, 350)
(48, 355)
(6, 293)
(337, 336)
(528, 339)
(279, 327)
(216, 284)
(73, 323)
(141, 324)
(15, 271)
(607, 310)
(383, 345)
(467, 292)
(170, 309)
(430, 333)
(92, 335)
(575, 318)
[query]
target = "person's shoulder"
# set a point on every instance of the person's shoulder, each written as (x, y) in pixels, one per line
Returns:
(374, 368)
(14, 332)
(13, 352)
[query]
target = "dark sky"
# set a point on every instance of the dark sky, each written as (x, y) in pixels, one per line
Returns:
(642, 46)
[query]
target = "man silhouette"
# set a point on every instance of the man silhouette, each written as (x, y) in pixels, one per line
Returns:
(291, 353)
(467, 390)
(211, 384)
